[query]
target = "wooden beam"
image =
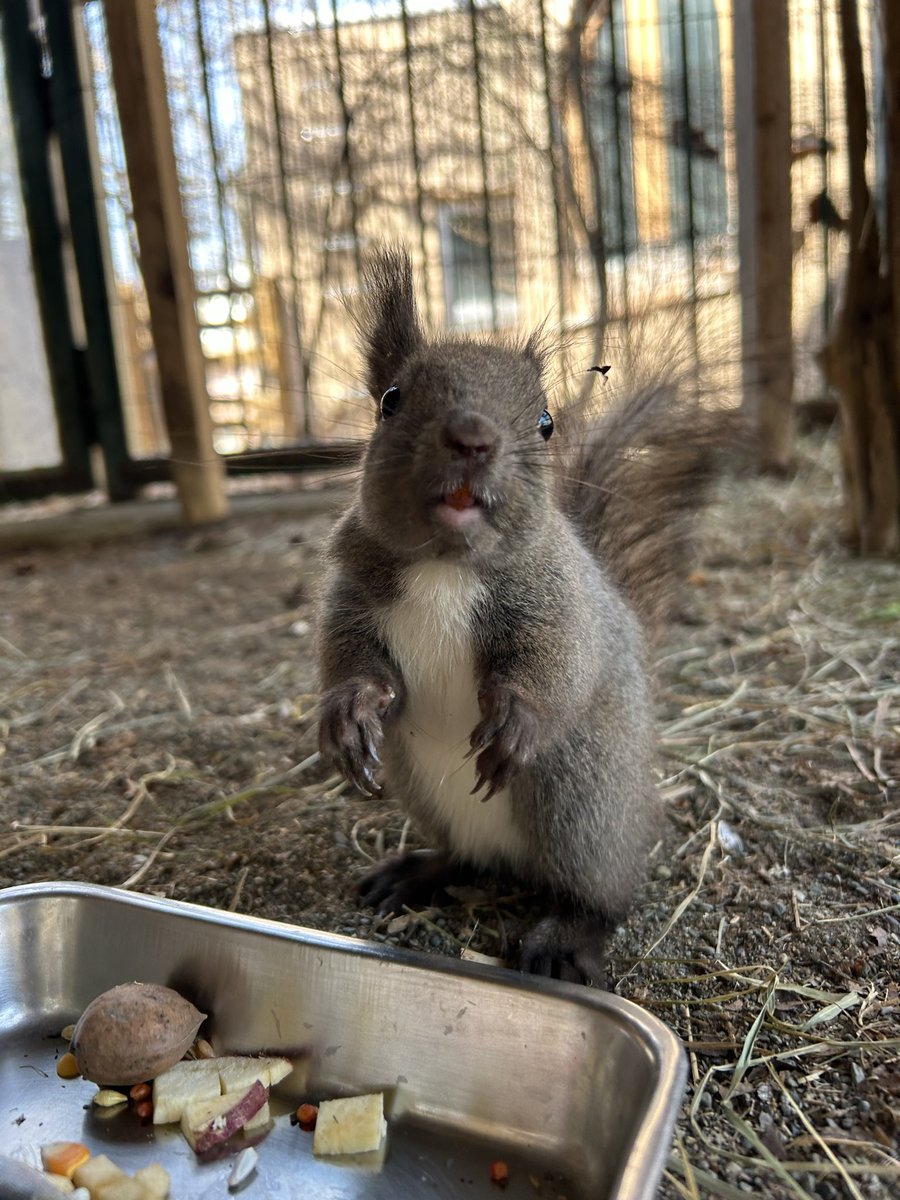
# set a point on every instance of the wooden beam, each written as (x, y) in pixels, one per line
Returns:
(762, 84)
(140, 83)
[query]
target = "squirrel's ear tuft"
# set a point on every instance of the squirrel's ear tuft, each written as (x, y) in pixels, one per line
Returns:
(387, 319)
(536, 348)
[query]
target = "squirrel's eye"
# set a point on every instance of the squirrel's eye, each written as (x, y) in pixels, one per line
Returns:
(390, 401)
(545, 425)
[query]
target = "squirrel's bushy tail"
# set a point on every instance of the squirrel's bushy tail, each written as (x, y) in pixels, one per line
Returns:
(637, 478)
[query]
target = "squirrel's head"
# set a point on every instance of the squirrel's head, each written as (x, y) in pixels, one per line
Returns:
(459, 460)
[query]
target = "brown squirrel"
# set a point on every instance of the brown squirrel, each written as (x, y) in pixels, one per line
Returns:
(483, 627)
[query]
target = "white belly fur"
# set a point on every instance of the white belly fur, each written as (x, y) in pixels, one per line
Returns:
(428, 632)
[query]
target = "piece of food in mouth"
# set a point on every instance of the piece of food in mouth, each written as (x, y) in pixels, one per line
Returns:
(352, 1126)
(209, 1123)
(460, 498)
(133, 1032)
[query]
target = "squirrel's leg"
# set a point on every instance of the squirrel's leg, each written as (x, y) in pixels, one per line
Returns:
(568, 945)
(415, 878)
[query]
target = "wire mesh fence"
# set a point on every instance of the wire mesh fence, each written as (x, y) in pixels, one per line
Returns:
(541, 161)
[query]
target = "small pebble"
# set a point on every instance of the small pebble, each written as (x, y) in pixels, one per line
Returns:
(857, 1074)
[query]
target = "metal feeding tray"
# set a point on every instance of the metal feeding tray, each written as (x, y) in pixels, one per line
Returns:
(576, 1090)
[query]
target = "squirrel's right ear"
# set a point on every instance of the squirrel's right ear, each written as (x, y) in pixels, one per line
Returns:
(387, 319)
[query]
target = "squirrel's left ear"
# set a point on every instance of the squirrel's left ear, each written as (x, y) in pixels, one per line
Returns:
(387, 320)
(535, 349)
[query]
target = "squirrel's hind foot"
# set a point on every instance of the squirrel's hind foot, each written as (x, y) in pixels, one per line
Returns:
(409, 880)
(568, 946)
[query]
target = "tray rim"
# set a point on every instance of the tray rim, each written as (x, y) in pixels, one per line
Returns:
(655, 1130)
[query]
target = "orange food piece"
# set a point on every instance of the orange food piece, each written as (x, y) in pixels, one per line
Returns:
(64, 1158)
(307, 1115)
(460, 498)
(499, 1172)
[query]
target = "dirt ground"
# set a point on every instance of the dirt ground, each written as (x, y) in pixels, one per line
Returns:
(157, 694)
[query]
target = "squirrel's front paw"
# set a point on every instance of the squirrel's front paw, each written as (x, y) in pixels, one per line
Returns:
(350, 731)
(505, 739)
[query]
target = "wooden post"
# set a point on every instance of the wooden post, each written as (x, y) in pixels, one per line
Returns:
(762, 85)
(140, 84)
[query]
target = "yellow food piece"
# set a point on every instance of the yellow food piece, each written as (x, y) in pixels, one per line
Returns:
(64, 1186)
(352, 1126)
(205, 1079)
(155, 1181)
(237, 1073)
(63, 1158)
(185, 1083)
(259, 1120)
(98, 1172)
(67, 1067)
(107, 1098)
(125, 1188)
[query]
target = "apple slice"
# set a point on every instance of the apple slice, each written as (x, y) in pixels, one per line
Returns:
(98, 1172)
(352, 1126)
(189, 1082)
(155, 1181)
(209, 1123)
(125, 1188)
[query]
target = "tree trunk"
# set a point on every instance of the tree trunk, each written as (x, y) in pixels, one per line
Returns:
(763, 82)
(860, 358)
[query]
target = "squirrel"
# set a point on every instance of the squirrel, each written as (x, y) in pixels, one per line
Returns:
(484, 623)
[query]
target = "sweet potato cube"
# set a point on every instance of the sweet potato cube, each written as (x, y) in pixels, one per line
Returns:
(352, 1126)
(209, 1123)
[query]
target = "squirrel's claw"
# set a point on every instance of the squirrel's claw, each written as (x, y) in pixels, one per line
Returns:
(504, 739)
(350, 731)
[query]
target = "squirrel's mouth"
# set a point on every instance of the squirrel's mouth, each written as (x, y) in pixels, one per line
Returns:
(459, 508)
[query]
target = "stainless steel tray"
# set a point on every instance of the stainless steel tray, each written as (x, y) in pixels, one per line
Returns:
(576, 1090)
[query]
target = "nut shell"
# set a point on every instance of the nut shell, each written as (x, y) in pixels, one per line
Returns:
(134, 1032)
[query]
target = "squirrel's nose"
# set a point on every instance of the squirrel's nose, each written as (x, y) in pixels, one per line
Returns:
(470, 436)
